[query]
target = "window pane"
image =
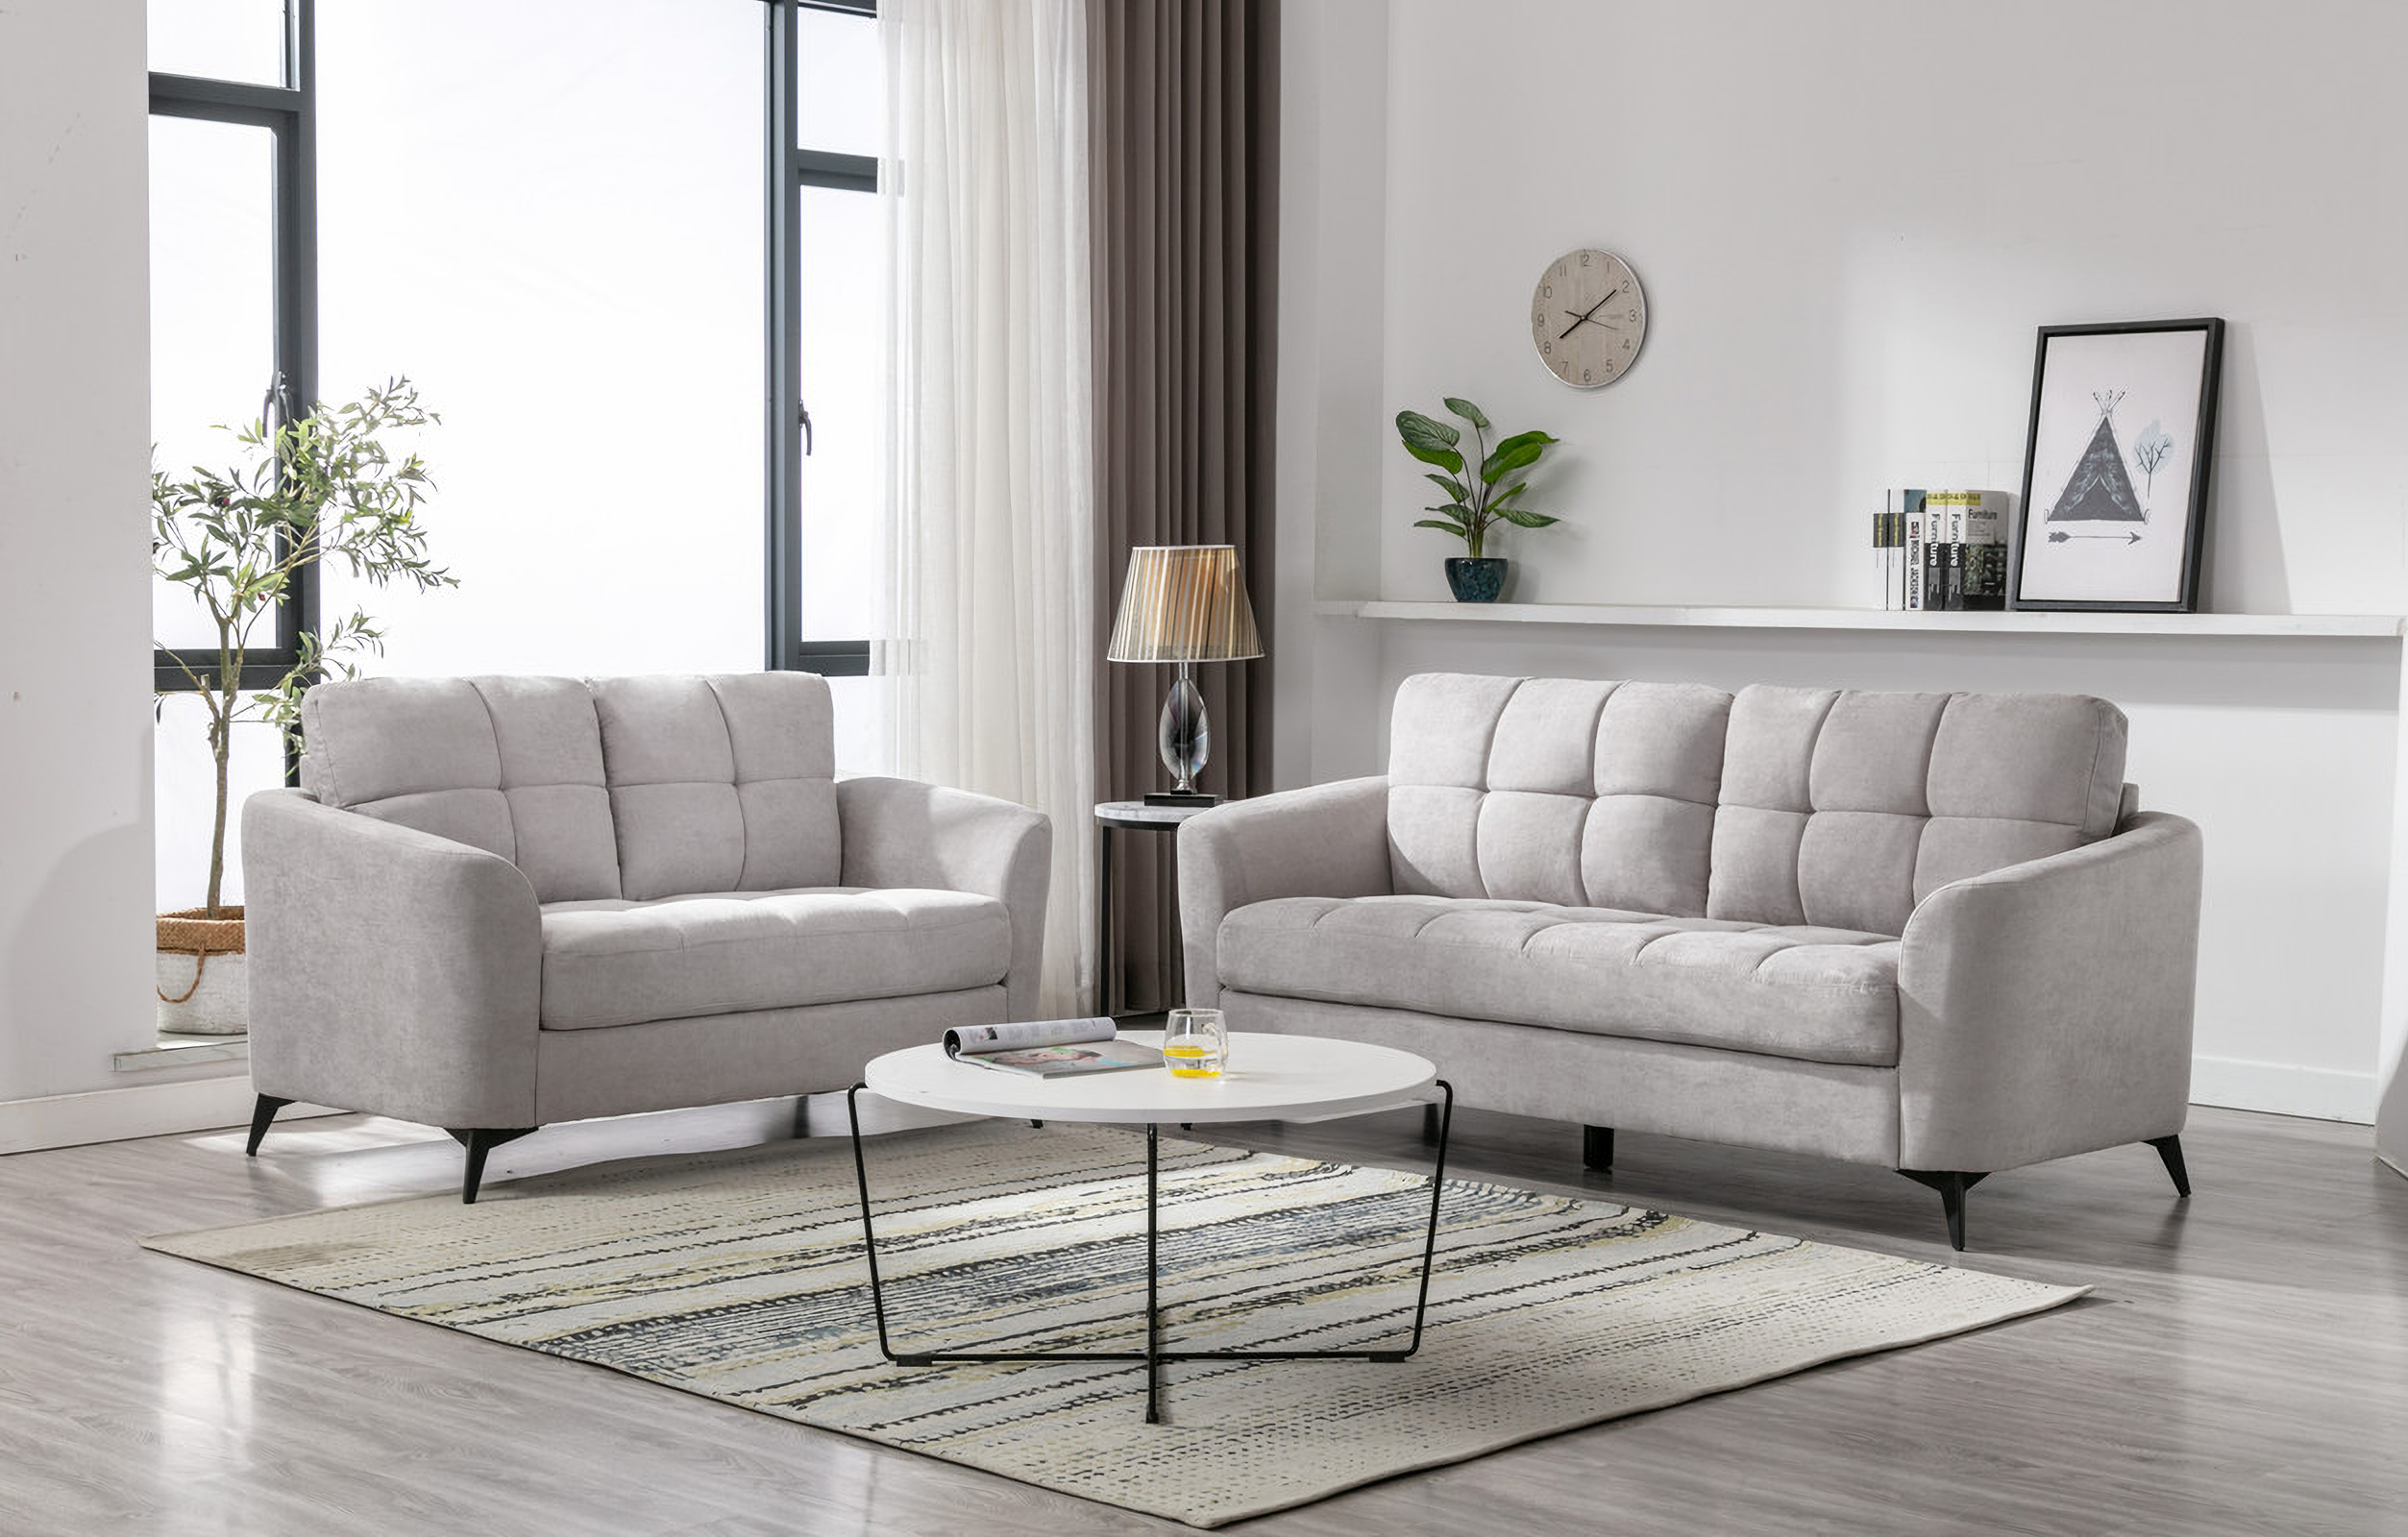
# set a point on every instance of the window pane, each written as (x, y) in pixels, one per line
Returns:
(555, 231)
(844, 386)
(186, 798)
(839, 84)
(212, 311)
(219, 39)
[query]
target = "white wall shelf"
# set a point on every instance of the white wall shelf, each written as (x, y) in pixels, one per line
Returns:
(2363, 626)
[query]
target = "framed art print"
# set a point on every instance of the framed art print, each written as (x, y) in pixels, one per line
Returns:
(2115, 466)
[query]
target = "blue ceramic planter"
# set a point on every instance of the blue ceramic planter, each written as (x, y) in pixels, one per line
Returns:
(1476, 581)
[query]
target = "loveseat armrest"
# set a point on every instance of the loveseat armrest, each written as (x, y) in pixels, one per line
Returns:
(392, 970)
(904, 833)
(1322, 841)
(2045, 1009)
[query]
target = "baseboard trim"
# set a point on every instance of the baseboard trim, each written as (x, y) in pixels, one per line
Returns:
(149, 1109)
(2318, 1093)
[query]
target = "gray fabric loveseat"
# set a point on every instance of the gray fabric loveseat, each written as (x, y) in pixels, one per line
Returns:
(499, 902)
(1926, 931)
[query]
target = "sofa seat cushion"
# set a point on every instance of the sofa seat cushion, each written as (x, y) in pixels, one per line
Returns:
(1825, 995)
(622, 962)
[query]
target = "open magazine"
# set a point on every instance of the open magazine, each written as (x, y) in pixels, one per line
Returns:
(1049, 1048)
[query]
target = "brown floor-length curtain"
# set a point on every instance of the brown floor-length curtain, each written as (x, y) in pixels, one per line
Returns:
(1183, 117)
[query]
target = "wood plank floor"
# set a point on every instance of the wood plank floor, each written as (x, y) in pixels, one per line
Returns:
(2242, 1367)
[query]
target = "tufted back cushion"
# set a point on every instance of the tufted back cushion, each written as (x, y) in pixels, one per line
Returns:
(639, 787)
(720, 784)
(1794, 806)
(511, 764)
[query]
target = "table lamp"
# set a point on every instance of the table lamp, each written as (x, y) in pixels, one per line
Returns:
(1184, 603)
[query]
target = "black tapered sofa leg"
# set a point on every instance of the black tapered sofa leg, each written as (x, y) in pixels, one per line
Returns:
(1951, 1183)
(480, 1140)
(262, 1113)
(2170, 1149)
(1597, 1149)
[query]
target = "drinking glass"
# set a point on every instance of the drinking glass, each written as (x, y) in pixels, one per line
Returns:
(1196, 1043)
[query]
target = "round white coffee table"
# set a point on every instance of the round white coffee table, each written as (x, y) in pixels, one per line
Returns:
(1294, 1078)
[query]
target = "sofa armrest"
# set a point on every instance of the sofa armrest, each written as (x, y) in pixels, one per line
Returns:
(2045, 1009)
(392, 971)
(904, 833)
(1323, 840)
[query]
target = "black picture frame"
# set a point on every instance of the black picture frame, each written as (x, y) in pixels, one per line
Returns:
(2088, 538)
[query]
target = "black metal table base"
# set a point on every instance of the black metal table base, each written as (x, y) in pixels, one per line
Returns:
(1153, 1356)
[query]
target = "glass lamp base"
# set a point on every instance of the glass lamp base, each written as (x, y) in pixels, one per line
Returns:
(1186, 741)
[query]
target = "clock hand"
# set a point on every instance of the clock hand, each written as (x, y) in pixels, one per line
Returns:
(1585, 313)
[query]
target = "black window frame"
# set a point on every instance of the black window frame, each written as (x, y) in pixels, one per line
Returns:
(790, 168)
(289, 113)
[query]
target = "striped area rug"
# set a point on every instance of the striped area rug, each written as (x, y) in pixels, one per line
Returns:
(740, 1277)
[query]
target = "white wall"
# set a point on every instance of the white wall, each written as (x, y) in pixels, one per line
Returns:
(1333, 200)
(1849, 221)
(75, 664)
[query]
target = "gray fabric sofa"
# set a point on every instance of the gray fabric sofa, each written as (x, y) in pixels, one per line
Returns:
(499, 902)
(1926, 931)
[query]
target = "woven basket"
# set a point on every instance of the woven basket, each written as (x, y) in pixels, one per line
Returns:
(189, 933)
(192, 932)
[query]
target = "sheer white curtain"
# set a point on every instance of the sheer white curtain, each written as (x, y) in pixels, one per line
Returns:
(993, 466)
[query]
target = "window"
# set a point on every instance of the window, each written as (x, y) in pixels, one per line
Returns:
(551, 218)
(827, 372)
(233, 318)
(826, 113)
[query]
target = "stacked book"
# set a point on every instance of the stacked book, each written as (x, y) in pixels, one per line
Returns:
(1941, 549)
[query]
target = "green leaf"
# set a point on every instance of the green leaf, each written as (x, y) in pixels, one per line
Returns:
(1443, 528)
(1469, 412)
(1523, 517)
(1456, 490)
(1542, 439)
(1426, 432)
(1513, 454)
(1432, 442)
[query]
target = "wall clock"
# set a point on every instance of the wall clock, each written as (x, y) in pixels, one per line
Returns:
(1587, 318)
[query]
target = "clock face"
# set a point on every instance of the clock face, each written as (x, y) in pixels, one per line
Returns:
(1587, 318)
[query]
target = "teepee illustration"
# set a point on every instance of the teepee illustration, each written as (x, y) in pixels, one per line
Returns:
(2098, 491)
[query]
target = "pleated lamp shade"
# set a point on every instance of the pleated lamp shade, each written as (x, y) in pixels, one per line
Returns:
(1184, 603)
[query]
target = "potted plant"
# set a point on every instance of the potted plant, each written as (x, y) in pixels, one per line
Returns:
(324, 487)
(1473, 503)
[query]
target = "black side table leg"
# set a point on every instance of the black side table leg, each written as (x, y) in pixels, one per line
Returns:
(1104, 968)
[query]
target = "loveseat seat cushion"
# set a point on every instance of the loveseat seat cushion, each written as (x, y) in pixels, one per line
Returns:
(1815, 994)
(623, 963)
